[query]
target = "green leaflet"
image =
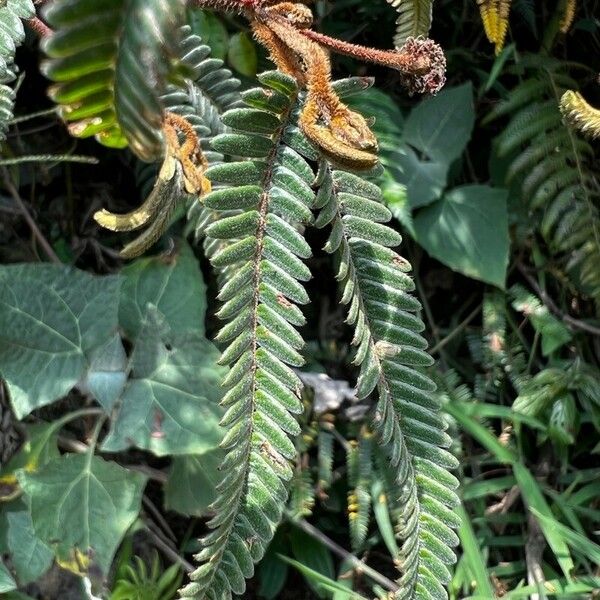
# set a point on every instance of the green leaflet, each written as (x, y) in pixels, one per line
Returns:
(389, 352)
(414, 19)
(256, 218)
(103, 60)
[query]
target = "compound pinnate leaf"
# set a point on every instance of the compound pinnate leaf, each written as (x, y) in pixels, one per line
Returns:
(51, 317)
(169, 405)
(174, 285)
(82, 505)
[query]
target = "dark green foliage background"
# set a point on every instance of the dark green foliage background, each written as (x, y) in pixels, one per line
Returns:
(510, 286)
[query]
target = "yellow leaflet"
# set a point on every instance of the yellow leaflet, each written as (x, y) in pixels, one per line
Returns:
(77, 563)
(580, 114)
(569, 16)
(494, 14)
(148, 211)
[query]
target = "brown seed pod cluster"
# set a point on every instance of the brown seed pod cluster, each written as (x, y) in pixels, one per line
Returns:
(342, 134)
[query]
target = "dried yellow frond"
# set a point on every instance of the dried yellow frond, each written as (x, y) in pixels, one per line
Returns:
(494, 14)
(580, 114)
(569, 16)
(181, 174)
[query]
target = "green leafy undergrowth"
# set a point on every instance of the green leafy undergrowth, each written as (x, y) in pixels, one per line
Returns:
(131, 349)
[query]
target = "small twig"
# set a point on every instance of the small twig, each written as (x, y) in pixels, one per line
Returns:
(57, 158)
(34, 115)
(159, 518)
(547, 300)
(170, 552)
(456, 330)
(35, 230)
(504, 505)
(356, 563)
(154, 474)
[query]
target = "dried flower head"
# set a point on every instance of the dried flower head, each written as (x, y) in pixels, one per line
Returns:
(433, 78)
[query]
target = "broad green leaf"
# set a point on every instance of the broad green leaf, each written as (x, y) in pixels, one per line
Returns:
(107, 373)
(82, 505)
(272, 571)
(212, 31)
(170, 403)
(394, 196)
(192, 481)
(51, 317)
(30, 556)
(467, 230)
(39, 447)
(425, 180)
(535, 501)
(314, 556)
(7, 583)
(242, 54)
(440, 127)
(173, 284)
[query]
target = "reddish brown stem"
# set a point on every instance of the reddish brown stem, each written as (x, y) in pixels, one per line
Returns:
(38, 26)
(395, 59)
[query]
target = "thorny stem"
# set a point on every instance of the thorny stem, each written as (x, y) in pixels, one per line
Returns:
(38, 26)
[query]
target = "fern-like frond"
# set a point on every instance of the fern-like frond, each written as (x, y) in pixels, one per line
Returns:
(7, 100)
(11, 36)
(569, 16)
(260, 303)
(414, 19)
(325, 460)
(552, 166)
(391, 353)
(494, 14)
(207, 91)
(111, 62)
(580, 114)
(302, 494)
(360, 467)
(11, 13)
